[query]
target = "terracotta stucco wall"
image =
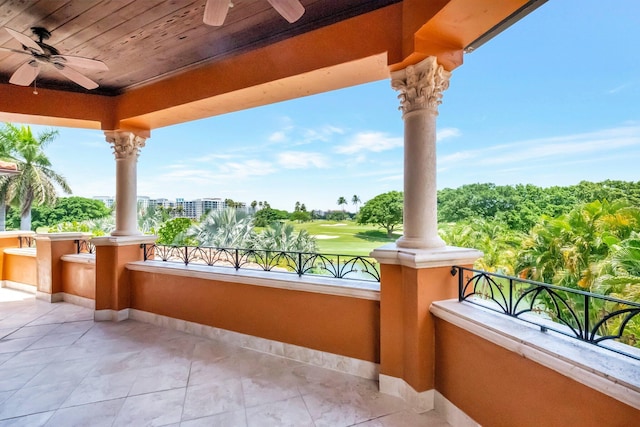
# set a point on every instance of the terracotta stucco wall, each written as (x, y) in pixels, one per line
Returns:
(497, 387)
(79, 279)
(20, 268)
(335, 324)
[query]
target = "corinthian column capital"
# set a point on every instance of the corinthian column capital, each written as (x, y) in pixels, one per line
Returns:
(125, 144)
(421, 85)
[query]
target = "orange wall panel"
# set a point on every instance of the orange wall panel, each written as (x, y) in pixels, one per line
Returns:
(79, 279)
(497, 387)
(330, 323)
(20, 268)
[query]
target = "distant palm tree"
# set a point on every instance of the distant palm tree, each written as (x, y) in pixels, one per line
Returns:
(356, 201)
(341, 202)
(34, 182)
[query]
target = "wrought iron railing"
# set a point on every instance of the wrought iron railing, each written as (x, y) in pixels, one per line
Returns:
(337, 266)
(26, 241)
(85, 247)
(589, 317)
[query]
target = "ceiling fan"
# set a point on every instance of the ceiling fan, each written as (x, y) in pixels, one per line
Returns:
(215, 11)
(44, 54)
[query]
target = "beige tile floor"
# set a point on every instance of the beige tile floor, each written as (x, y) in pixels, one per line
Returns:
(60, 368)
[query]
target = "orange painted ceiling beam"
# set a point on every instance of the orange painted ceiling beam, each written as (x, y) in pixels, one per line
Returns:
(454, 26)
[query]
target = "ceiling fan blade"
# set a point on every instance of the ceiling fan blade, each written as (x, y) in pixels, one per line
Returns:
(25, 74)
(291, 10)
(6, 49)
(26, 41)
(215, 11)
(76, 77)
(78, 61)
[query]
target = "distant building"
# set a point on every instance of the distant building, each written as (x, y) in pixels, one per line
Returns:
(181, 207)
(107, 200)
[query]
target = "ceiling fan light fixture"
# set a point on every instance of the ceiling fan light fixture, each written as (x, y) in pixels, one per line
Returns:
(291, 10)
(215, 12)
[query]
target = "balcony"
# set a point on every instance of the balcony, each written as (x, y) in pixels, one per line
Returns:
(281, 348)
(59, 367)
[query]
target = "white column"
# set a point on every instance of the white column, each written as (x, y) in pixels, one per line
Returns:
(420, 88)
(126, 148)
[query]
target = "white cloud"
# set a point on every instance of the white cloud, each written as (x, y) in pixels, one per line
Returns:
(391, 178)
(247, 168)
(213, 157)
(322, 133)
(370, 141)
(550, 149)
(302, 160)
(446, 133)
(278, 136)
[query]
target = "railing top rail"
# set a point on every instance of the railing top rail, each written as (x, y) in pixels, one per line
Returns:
(337, 265)
(223, 248)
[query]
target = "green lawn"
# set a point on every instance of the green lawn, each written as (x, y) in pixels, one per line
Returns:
(345, 237)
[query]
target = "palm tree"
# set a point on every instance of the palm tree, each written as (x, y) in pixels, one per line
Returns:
(341, 202)
(223, 229)
(5, 154)
(283, 237)
(356, 201)
(35, 180)
(150, 219)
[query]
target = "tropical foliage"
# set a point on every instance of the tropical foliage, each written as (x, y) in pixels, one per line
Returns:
(35, 182)
(223, 229)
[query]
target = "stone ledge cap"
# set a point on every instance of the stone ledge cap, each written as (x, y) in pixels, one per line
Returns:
(62, 236)
(16, 233)
(79, 258)
(21, 251)
(123, 240)
(425, 258)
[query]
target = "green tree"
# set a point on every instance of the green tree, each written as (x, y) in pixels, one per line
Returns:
(384, 210)
(268, 215)
(36, 181)
(65, 209)
(173, 232)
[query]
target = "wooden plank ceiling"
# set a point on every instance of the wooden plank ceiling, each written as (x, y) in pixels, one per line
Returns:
(142, 41)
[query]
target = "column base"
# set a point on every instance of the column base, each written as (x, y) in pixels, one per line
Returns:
(126, 233)
(55, 297)
(392, 253)
(417, 243)
(426, 401)
(111, 315)
(420, 401)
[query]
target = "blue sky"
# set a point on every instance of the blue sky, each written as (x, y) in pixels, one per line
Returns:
(553, 100)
